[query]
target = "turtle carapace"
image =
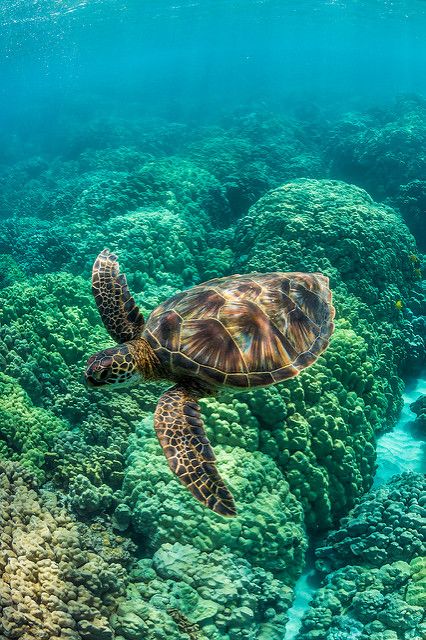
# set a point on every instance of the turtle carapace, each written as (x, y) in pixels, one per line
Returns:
(241, 331)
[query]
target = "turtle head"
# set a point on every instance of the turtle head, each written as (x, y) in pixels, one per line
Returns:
(114, 366)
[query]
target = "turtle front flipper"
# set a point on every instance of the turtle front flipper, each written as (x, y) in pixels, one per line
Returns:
(180, 430)
(119, 312)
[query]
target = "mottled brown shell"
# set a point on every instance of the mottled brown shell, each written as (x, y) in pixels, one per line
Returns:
(244, 330)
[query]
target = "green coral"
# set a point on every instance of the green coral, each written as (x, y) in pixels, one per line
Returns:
(268, 531)
(374, 568)
(321, 433)
(416, 590)
(383, 150)
(258, 151)
(295, 455)
(320, 428)
(411, 202)
(371, 604)
(84, 211)
(27, 432)
(385, 527)
(49, 327)
(333, 227)
(260, 552)
(224, 595)
(419, 409)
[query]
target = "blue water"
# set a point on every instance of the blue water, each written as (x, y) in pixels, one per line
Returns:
(190, 59)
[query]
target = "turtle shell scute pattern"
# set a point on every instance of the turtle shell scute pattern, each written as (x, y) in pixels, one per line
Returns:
(244, 330)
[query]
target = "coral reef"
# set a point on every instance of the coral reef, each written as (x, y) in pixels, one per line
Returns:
(386, 526)
(320, 428)
(269, 531)
(419, 408)
(375, 569)
(50, 422)
(60, 218)
(259, 151)
(411, 202)
(334, 227)
(165, 197)
(214, 595)
(27, 433)
(382, 149)
(59, 578)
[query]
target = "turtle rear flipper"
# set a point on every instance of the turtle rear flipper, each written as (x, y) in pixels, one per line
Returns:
(119, 312)
(180, 430)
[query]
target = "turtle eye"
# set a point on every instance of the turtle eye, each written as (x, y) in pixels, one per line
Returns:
(100, 375)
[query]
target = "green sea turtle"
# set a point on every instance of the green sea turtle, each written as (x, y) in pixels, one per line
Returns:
(241, 331)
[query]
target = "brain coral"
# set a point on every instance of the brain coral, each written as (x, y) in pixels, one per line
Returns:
(377, 559)
(59, 579)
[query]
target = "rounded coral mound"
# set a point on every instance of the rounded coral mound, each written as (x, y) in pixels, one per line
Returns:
(59, 578)
(215, 595)
(62, 217)
(268, 532)
(383, 149)
(375, 569)
(320, 427)
(258, 151)
(334, 227)
(386, 526)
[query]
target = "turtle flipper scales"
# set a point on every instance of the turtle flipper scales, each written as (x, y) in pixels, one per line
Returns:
(180, 430)
(119, 312)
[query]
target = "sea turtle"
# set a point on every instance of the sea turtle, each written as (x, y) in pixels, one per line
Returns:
(240, 331)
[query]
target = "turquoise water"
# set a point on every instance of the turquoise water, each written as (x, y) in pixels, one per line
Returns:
(196, 141)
